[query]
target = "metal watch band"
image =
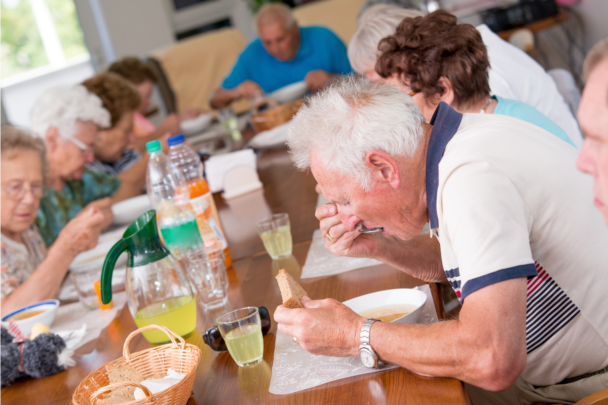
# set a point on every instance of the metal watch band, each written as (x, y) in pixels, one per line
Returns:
(367, 325)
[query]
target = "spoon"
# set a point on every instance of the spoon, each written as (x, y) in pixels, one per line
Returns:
(363, 229)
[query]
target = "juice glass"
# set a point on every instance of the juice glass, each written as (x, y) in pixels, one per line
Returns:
(242, 332)
(275, 232)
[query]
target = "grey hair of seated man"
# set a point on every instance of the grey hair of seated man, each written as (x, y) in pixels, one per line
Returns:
(377, 22)
(354, 116)
(62, 107)
(272, 12)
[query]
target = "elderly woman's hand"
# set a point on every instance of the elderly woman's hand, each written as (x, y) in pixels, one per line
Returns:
(325, 327)
(104, 206)
(343, 242)
(81, 233)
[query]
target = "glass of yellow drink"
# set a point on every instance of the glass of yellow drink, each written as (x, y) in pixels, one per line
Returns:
(242, 332)
(275, 232)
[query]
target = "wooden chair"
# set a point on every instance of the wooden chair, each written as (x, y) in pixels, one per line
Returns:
(597, 398)
(340, 16)
(192, 69)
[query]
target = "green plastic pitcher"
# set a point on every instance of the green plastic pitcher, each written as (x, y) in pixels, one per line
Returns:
(158, 292)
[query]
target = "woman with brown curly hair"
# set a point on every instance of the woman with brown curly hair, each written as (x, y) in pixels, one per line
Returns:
(112, 153)
(435, 59)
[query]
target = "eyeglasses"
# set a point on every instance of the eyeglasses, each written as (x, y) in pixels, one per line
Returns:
(16, 191)
(81, 145)
(213, 338)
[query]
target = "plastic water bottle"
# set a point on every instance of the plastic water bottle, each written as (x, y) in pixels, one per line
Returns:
(188, 163)
(169, 196)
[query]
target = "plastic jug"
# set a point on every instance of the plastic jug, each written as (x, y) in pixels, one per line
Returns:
(157, 288)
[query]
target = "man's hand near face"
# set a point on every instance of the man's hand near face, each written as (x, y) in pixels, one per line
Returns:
(419, 256)
(103, 206)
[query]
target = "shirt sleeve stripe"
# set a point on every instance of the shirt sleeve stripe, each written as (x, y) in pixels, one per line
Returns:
(524, 270)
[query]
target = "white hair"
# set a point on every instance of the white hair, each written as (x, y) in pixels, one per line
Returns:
(61, 107)
(376, 23)
(354, 116)
(271, 12)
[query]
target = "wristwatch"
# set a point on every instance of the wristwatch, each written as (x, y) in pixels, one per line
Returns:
(368, 357)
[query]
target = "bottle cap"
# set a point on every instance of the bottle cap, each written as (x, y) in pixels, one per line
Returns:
(153, 146)
(176, 140)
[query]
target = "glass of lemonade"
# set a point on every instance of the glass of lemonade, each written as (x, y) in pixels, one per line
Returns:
(275, 232)
(242, 332)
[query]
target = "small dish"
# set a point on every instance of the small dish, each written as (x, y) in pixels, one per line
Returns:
(289, 93)
(129, 210)
(196, 125)
(413, 299)
(48, 308)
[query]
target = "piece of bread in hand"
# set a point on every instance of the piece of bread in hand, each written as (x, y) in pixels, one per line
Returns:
(290, 290)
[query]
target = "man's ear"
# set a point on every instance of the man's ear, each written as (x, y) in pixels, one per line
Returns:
(447, 94)
(383, 168)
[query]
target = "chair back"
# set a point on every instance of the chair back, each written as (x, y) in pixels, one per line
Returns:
(195, 67)
(597, 398)
(340, 16)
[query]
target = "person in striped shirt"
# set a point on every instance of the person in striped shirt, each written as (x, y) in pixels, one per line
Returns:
(511, 233)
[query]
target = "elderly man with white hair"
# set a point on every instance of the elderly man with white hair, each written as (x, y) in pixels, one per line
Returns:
(512, 75)
(283, 54)
(68, 119)
(511, 233)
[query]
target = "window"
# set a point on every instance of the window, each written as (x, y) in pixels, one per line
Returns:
(38, 33)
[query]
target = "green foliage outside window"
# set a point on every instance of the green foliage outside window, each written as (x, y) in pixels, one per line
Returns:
(255, 5)
(21, 46)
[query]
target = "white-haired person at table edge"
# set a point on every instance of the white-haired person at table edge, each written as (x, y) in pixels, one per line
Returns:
(593, 118)
(511, 233)
(283, 54)
(30, 272)
(68, 120)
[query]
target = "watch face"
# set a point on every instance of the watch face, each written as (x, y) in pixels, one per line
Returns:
(367, 358)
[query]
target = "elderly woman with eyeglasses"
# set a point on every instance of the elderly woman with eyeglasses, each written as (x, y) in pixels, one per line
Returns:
(68, 120)
(30, 272)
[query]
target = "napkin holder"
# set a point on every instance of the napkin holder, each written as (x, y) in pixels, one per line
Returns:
(240, 180)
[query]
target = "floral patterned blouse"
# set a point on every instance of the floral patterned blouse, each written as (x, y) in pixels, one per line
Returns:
(20, 260)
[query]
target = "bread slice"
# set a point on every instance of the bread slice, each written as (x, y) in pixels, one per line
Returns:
(120, 374)
(290, 290)
(113, 399)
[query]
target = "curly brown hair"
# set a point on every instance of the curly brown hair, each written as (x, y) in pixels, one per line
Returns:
(117, 94)
(423, 49)
(133, 69)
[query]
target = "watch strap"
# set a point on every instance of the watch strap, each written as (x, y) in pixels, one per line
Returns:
(365, 329)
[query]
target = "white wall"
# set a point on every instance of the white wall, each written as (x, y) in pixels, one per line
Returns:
(594, 13)
(19, 97)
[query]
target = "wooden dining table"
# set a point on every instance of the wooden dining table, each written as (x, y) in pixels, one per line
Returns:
(251, 283)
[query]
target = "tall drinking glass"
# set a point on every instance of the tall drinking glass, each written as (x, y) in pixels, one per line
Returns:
(275, 232)
(209, 278)
(242, 332)
(230, 122)
(84, 280)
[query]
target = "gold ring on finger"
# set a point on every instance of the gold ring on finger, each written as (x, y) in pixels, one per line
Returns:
(329, 238)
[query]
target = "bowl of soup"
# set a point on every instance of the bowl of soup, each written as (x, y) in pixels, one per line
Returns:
(401, 305)
(29, 315)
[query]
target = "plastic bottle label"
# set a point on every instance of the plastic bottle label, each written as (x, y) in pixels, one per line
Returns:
(200, 204)
(218, 232)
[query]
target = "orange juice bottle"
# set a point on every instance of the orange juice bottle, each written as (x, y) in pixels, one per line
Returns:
(188, 162)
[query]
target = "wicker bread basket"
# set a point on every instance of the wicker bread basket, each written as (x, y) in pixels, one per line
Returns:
(179, 356)
(275, 115)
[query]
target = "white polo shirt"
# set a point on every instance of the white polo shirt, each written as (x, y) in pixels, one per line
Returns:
(506, 201)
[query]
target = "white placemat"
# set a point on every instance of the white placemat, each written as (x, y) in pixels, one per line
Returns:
(320, 262)
(294, 369)
(72, 317)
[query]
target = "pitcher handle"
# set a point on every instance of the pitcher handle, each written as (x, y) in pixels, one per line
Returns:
(108, 269)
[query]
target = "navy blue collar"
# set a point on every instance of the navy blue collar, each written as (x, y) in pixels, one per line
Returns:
(445, 124)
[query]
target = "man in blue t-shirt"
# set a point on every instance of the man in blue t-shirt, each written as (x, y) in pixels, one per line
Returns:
(283, 54)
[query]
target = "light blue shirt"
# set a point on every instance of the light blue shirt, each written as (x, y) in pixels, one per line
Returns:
(320, 49)
(525, 112)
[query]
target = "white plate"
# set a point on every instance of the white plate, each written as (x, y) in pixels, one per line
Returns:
(95, 257)
(196, 125)
(127, 211)
(400, 296)
(289, 93)
(276, 136)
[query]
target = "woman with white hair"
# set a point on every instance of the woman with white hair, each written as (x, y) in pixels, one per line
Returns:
(67, 119)
(30, 272)
(512, 75)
